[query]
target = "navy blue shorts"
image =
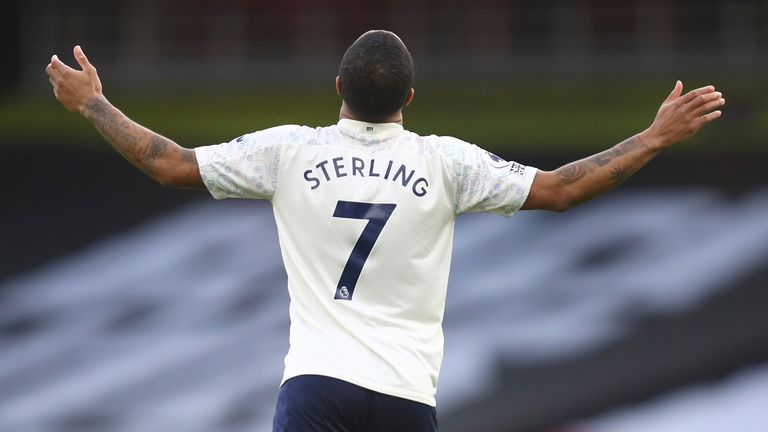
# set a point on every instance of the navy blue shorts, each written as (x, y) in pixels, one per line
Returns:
(312, 403)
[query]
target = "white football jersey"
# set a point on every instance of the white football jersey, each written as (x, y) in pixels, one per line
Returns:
(365, 215)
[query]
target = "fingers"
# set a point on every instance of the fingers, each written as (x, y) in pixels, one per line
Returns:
(676, 92)
(50, 69)
(56, 65)
(691, 95)
(82, 60)
(708, 118)
(710, 105)
(56, 69)
(59, 67)
(54, 75)
(700, 100)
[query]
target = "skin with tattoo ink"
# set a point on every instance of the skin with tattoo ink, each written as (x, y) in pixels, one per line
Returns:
(679, 117)
(396, 317)
(160, 158)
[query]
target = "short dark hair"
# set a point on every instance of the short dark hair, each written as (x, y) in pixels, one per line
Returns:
(376, 75)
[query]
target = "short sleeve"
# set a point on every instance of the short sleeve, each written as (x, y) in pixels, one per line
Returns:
(484, 182)
(248, 166)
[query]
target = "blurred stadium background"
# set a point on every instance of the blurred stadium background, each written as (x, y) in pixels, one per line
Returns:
(127, 307)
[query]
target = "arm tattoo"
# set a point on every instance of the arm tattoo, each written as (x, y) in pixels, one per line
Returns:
(619, 175)
(624, 147)
(158, 146)
(140, 146)
(573, 172)
(116, 132)
(189, 156)
(584, 179)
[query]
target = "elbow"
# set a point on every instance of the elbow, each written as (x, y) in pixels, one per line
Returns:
(164, 182)
(549, 192)
(178, 171)
(555, 200)
(561, 207)
(167, 181)
(168, 175)
(563, 202)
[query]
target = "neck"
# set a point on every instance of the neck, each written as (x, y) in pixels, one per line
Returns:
(346, 113)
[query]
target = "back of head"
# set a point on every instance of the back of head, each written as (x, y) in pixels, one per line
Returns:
(376, 75)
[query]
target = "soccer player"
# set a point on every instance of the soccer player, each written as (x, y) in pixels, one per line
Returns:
(365, 212)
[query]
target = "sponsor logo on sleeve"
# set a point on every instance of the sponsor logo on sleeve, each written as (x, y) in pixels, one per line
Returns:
(517, 168)
(497, 162)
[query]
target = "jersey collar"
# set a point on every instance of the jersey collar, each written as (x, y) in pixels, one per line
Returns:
(365, 130)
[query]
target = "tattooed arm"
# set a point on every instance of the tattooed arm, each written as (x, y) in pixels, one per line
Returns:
(160, 158)
(679, 117)
(157, 156)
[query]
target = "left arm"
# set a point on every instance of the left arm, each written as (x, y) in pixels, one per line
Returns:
(678, 118)
(158, 157)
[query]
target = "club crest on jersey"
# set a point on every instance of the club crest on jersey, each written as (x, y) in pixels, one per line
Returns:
(495, 158)
(497, 162)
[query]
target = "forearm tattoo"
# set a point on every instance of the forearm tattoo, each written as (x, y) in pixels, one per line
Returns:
(619, 175)
(141, 147)
(575, 171)
(627, 146)
(106, 122)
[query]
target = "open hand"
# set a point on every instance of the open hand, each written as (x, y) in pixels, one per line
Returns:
(74, 88)
(680, 116)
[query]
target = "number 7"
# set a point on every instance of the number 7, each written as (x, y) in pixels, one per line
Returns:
(377, 215)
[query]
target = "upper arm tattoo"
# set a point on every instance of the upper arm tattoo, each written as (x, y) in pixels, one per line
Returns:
(189, 156)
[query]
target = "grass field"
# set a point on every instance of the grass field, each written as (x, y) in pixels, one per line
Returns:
(531, 116)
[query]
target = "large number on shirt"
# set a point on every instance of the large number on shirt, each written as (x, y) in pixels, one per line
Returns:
(377, 215)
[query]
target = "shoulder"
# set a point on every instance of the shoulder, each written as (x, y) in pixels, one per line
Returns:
(452, 147)
(454, 152)
(279, 135)
(463, 152)
(446, 147)
(261, 144)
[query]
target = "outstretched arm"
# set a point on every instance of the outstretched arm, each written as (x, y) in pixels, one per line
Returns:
(160, 158)
(679, 117)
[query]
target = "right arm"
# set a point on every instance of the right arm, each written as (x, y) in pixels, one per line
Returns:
(679, 117)
(160, 158)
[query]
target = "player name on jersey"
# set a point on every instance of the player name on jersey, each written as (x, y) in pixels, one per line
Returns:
(337, 167)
